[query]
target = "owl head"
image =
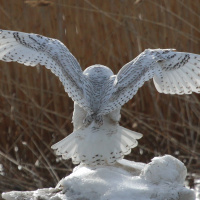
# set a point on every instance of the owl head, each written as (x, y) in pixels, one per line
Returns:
(98, 72)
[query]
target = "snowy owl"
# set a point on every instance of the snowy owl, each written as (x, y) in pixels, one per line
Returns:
(98, 94)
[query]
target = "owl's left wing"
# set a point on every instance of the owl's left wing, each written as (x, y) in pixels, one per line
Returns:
(172, 73)
(32, 49)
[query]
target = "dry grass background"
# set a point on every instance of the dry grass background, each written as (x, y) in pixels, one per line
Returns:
(35, 112)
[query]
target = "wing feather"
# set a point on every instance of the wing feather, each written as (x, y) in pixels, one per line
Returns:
(171, 86)
(172, 73)
(189, 82)
(178, 86)
(32, 49)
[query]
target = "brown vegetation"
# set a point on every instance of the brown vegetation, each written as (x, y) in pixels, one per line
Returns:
(35, 112)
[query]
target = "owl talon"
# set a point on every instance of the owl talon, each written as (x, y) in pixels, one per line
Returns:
(97, 118)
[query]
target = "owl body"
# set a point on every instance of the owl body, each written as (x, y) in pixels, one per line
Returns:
(108, 140)
(98, 94)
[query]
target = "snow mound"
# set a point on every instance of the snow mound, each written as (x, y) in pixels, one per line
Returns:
(165, 169)
(161, 179)
(40, 194)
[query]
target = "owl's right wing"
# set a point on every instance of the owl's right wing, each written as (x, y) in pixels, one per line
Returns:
(32, 49)
(172, 72)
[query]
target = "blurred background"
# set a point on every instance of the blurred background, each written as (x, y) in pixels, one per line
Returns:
(35, 112)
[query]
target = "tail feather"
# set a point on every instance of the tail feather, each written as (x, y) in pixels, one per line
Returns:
(130, 133)
(69, 154)
(97, 147)
(63, 142)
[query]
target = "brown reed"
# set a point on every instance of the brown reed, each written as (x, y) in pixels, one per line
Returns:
(35, 112)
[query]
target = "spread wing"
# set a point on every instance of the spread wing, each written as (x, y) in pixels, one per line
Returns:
(172, 73)
(32, 49)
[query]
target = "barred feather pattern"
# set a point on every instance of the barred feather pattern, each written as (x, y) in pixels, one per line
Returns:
(33, 49)
(172, 72)
(98, 94)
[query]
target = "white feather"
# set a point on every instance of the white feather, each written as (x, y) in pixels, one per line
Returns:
(32, 49)
(175, 78)
(99, 94)
(98, 145)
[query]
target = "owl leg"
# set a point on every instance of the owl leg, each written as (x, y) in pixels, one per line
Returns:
(97, 118)
(87, 121)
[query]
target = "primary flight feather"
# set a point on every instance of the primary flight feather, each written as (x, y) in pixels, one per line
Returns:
(98, 94)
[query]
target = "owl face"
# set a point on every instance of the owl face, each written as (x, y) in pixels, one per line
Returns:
(98, 72)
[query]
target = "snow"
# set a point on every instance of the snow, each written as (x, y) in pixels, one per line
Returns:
(197, 188)
(161, 179)
(40, 194)
(175, 170)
